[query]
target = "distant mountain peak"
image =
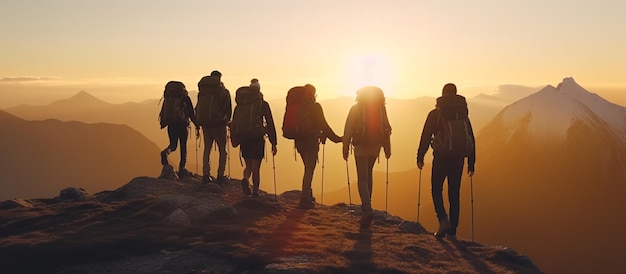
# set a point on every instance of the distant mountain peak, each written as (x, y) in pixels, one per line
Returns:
(551, 111)
(567, 81)
(82, 98)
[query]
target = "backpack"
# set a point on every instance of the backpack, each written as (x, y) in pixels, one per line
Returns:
(453, 135)
(372, 127)
(247, 120)
(210, 109)
(174, 105)
(297, 122)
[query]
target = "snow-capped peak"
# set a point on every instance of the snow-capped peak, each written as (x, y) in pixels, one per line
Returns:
(551, 111)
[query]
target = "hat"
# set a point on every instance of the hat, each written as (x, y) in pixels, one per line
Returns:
(216, 73)
(255, 83)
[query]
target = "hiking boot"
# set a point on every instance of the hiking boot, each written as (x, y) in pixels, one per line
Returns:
(306, 204)
(164, 154)
(182, 173)
(444, 227)
(245, 186)
(367, 215)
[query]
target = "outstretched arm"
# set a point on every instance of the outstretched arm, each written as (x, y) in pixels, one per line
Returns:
(322, 124)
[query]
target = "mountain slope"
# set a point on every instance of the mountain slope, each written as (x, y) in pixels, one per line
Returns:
(40, 157)
(552, 167)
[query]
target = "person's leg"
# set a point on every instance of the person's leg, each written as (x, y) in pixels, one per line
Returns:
(362, 173)
(256, 176)
(308, 152)
(370, 176)
(363, 170)
(183, 134)
(206, 156)
(247, 171)
(220, 138)
(438, 177)
(455, 172)
(252, 152)
(172, 145)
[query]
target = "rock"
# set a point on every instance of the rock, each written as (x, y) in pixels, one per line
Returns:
(15, 203)
(179, 217)
(168, 172)
(411, 227)
(73, 194)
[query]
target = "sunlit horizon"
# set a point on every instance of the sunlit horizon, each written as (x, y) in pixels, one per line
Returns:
(126, 51)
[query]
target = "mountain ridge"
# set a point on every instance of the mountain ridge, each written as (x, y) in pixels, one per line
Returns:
(40, 156)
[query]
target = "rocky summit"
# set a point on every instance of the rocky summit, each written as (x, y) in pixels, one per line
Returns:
(153, 225)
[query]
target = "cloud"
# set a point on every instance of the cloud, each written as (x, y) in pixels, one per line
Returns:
(25, 79)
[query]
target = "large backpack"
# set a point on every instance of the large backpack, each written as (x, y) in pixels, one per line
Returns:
(247, 120)
(372, 127)
(211, 109)
(453, 136)
(174, 105)
(297, 122)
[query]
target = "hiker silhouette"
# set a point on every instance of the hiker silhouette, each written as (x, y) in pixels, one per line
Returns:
(252, 121)
(449, 131)
(368, 130)
(304, 122)
(175, 114)
(213, 113)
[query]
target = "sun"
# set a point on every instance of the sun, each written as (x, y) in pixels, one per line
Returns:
(372, 69)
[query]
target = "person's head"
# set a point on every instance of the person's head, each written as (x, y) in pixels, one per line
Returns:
(216, 73)
(310, 88)
(370, 94)
(448, 89)
(254, 84)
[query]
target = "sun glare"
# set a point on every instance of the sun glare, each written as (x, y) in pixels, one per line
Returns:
(367, 70)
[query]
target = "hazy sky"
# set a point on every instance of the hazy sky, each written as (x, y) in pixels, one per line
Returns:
(127, 50)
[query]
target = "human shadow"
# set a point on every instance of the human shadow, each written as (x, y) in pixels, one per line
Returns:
(476, 263)
(361, 254)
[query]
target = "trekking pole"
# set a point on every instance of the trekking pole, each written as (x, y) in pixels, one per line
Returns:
(351, 210)
(386, 187)
(472, 200)
(323, 154)
(274, 168)
(228, 150)
(197, 154)
(419, 192)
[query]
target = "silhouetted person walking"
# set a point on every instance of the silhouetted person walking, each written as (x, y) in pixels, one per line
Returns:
(213, 112)
(305, 123)
(175, 114)
(449, 131)
(252, 120)
(367, 128)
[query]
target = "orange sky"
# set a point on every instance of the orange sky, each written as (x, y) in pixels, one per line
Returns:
(126, 51)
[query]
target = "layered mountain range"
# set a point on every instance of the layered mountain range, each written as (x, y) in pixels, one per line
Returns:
(39, 157)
